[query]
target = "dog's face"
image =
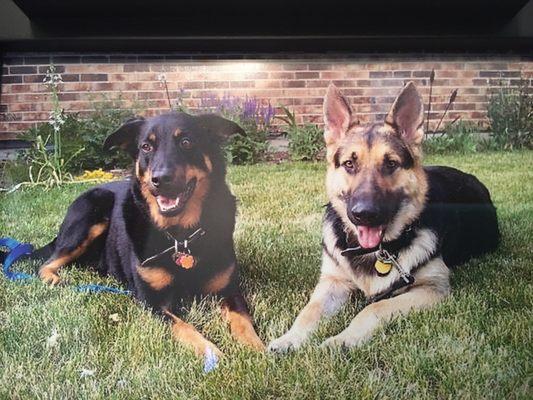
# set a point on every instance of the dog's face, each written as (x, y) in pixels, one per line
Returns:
(375, 180)
(177, 156)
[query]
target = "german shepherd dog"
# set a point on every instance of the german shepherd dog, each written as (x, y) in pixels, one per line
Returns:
(392, 228)
(167, 233)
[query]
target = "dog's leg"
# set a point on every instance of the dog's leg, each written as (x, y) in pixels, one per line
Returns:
(327, 298)
(432, 286)
(188, 335)
(235, 311)
(68, 251)
(87, 219)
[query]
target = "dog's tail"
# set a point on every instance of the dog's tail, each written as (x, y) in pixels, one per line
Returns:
(44, 253)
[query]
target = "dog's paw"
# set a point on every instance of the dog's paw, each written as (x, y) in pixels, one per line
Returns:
(201, 348)
(286, 343)
(49, 277)
(343, 341)
(255, 343)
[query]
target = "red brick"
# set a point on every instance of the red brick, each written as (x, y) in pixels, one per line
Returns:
(22, 70)
(93, 77)
(136, 67)
(307, 75)
(293, 84)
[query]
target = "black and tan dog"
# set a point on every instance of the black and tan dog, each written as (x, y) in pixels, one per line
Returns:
(392, 228)
(167, 234)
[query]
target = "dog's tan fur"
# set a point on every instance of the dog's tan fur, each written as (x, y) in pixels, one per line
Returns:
(188, 335)
(156, 277)
(49, 271)
(346, 141)
(193, 209)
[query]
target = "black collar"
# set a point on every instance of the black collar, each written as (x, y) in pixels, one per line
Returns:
(388, 293)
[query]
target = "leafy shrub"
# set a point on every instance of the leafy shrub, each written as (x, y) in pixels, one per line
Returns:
(48, 164)
(305, 142)
(252, 115)
(249, 148)
(82, 138)
(510, 112)
(458, 137)
(93, 130)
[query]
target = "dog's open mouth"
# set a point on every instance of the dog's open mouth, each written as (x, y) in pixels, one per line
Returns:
(174, 204)
(370, 236)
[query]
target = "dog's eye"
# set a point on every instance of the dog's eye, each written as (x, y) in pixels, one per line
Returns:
(186, 144)
(146, 147)
(348, 164)
(392, 164)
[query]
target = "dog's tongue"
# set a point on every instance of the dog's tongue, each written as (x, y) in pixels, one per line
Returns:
(166, 203)
(369, 236)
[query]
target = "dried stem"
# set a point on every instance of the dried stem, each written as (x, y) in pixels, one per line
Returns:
(431, 79)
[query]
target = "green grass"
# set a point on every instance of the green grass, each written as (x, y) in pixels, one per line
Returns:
(476, 344)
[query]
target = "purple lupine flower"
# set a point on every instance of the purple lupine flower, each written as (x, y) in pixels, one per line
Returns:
(268, 114)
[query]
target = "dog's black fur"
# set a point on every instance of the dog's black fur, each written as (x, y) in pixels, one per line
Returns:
(167, 150)
(460, 210)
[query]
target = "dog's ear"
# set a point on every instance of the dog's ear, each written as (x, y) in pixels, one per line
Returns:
(219, 126)
(407, 115)
(126, 136)
(337, 115)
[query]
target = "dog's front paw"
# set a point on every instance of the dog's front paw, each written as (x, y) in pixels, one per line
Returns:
(201, 348)
(342, 340)
(49, 277)
(288, 342)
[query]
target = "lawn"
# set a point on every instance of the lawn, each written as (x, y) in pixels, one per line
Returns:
(477, 344)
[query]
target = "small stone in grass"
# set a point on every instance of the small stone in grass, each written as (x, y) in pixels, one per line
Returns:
(115, 317)
(52, 340)
(122, 383)
(87, 372)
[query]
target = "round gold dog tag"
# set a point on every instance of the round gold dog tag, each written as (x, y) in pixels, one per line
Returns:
(382, 267)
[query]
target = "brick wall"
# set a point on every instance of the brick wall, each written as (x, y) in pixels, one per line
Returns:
(371, 82)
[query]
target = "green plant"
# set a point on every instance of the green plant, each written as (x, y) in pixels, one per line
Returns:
(510, 112)
(252, 114)
(306, 141)
(458, 137)
(88, 133)
(48, 164)
(249, 148)
(92, 131)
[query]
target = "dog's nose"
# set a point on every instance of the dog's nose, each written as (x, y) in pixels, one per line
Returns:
(365, 213)
(161, 177)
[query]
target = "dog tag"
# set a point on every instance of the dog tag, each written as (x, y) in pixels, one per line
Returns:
(184, 260)
(383, 267)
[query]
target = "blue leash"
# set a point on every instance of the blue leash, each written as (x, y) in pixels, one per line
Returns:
(18, 250)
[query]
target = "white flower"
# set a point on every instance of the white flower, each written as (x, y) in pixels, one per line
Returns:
(52, 340)
(52, 78)
(56, 119)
